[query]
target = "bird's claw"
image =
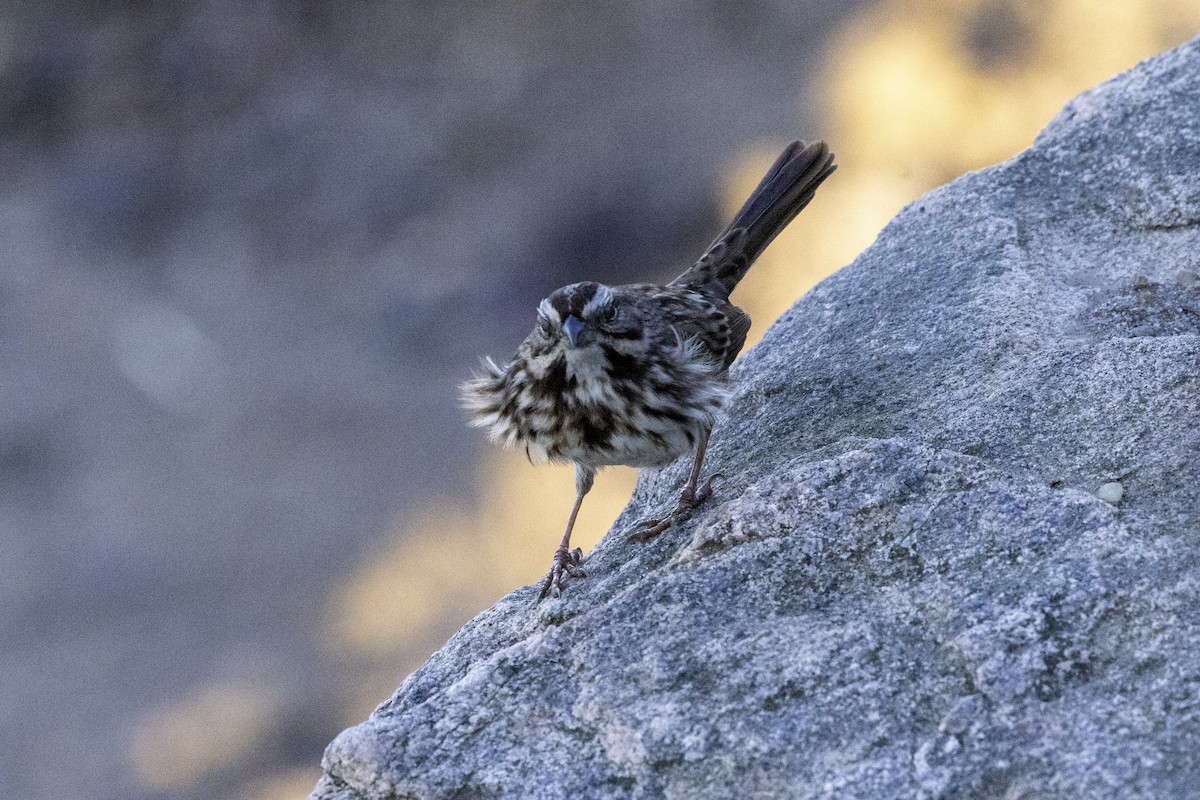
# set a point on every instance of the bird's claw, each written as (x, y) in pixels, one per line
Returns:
(567, 564)
(705, 491)
(689, 501)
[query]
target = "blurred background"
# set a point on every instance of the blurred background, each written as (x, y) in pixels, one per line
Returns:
(248, 249)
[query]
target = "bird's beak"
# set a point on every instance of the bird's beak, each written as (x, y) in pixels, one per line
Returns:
(572, 326)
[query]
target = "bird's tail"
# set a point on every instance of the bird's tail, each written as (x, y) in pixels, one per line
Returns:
(783, 193)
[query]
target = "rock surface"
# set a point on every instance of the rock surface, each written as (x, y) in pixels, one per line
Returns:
(907, 586)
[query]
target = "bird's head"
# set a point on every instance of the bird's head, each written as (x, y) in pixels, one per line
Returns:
(579, 315)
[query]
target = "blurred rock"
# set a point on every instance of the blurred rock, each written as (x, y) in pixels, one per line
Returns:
(907, 586)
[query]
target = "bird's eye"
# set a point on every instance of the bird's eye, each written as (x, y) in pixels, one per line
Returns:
(607, 313)
(545, 326)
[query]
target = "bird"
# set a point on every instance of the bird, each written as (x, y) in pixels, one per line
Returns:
(635, 374)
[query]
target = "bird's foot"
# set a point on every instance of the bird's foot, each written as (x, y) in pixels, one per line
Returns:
(689, 501)
(567, 564)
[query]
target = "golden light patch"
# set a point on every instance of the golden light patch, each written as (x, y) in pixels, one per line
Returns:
(292, 784)
(176, 745)
(445, 563)
(918, 92)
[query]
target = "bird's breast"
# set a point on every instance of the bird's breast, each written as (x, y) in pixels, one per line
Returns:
(604, 407)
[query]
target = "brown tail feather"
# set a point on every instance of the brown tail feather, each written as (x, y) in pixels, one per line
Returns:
(784, 191)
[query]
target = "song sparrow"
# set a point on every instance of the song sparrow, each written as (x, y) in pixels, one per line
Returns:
(635, 374)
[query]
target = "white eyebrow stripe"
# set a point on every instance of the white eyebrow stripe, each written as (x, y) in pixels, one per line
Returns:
(546, 310)
(602, 298)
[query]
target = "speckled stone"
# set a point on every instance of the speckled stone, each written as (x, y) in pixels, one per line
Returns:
(907, 586)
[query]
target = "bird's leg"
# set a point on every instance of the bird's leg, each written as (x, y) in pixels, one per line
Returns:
(568, 562)
(694, 493)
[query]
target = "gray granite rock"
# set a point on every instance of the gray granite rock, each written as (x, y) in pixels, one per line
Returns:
(910, 584)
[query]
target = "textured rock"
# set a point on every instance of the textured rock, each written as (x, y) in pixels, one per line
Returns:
(907, 586)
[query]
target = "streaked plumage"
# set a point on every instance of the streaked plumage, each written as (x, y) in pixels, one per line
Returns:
(635, 374)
